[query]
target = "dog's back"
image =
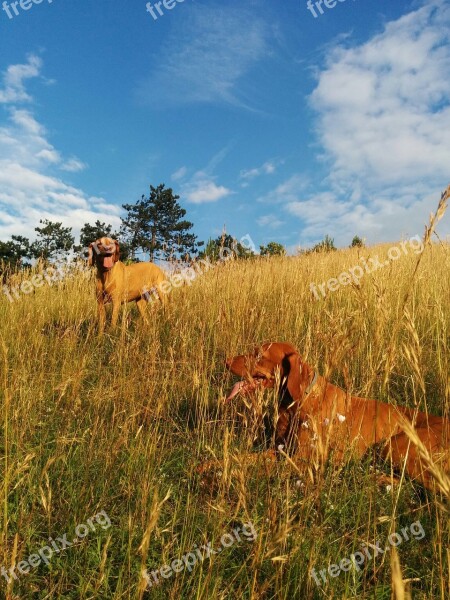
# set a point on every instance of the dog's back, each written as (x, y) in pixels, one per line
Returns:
(139, 278)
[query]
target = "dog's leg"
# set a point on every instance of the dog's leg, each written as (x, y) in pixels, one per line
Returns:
(115, 312)
(101, 315)
(163, 299)
(142, 306)
(429, 465)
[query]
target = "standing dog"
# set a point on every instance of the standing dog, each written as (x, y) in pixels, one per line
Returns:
(119, 283)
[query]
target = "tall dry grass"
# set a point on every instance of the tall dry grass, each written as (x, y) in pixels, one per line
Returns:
(119, 423)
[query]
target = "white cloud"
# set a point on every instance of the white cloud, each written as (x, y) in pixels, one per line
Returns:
(383, 106)
(205, 57)
(25, 120)
(50, 155)
(380, 218)
(13, 80)
(383, 113)
(30, 187)
(23, 140)
(202, 187)
(205, 190)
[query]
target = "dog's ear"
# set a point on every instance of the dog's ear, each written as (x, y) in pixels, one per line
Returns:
(117, 252)
(91, 254)
(296, 375)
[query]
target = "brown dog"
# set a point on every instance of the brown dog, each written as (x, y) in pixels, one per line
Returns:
(316, 416)
(119, 283)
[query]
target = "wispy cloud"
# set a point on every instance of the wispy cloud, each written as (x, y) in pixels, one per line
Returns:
(206, 56)
(73, 165)
(287, 191)
(270, 221)
(268, 168)
(179, 174)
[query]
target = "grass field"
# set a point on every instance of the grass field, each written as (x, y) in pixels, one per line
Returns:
(118, 424)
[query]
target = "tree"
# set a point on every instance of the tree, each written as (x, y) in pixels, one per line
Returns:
(6, 253)
(135, 226)
(53, 240)
(326, 245)
(125, 249)
(21, 246)
(273, 249)
(90, 233)
(357, 242)
(214, 248)
(156, 225)
(15, 251)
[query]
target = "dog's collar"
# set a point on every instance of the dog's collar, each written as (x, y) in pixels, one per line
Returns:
(312, 384)
(308, 389)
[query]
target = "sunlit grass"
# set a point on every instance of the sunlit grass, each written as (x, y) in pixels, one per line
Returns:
(119, 424)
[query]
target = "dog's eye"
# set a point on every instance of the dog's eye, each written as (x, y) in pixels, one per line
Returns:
(259, 376)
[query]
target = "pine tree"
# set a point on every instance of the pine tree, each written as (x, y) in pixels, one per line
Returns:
(273, 249)
(156, 225)
(53, 240)
(13, 252)
(214, 249)
(89, 233)
(135, 227)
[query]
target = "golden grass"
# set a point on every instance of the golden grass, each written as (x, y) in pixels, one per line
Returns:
(119, 423)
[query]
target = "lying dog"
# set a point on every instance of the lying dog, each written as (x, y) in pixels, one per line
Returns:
(119, 283)
(317, 416)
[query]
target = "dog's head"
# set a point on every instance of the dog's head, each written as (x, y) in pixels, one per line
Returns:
(103, 253)
(265, 364)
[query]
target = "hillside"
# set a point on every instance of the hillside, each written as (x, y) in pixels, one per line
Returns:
(118, 424)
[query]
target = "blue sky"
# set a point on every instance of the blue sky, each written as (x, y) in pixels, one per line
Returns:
(262, 117)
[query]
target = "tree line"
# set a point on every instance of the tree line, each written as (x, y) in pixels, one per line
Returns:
(154, 227)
